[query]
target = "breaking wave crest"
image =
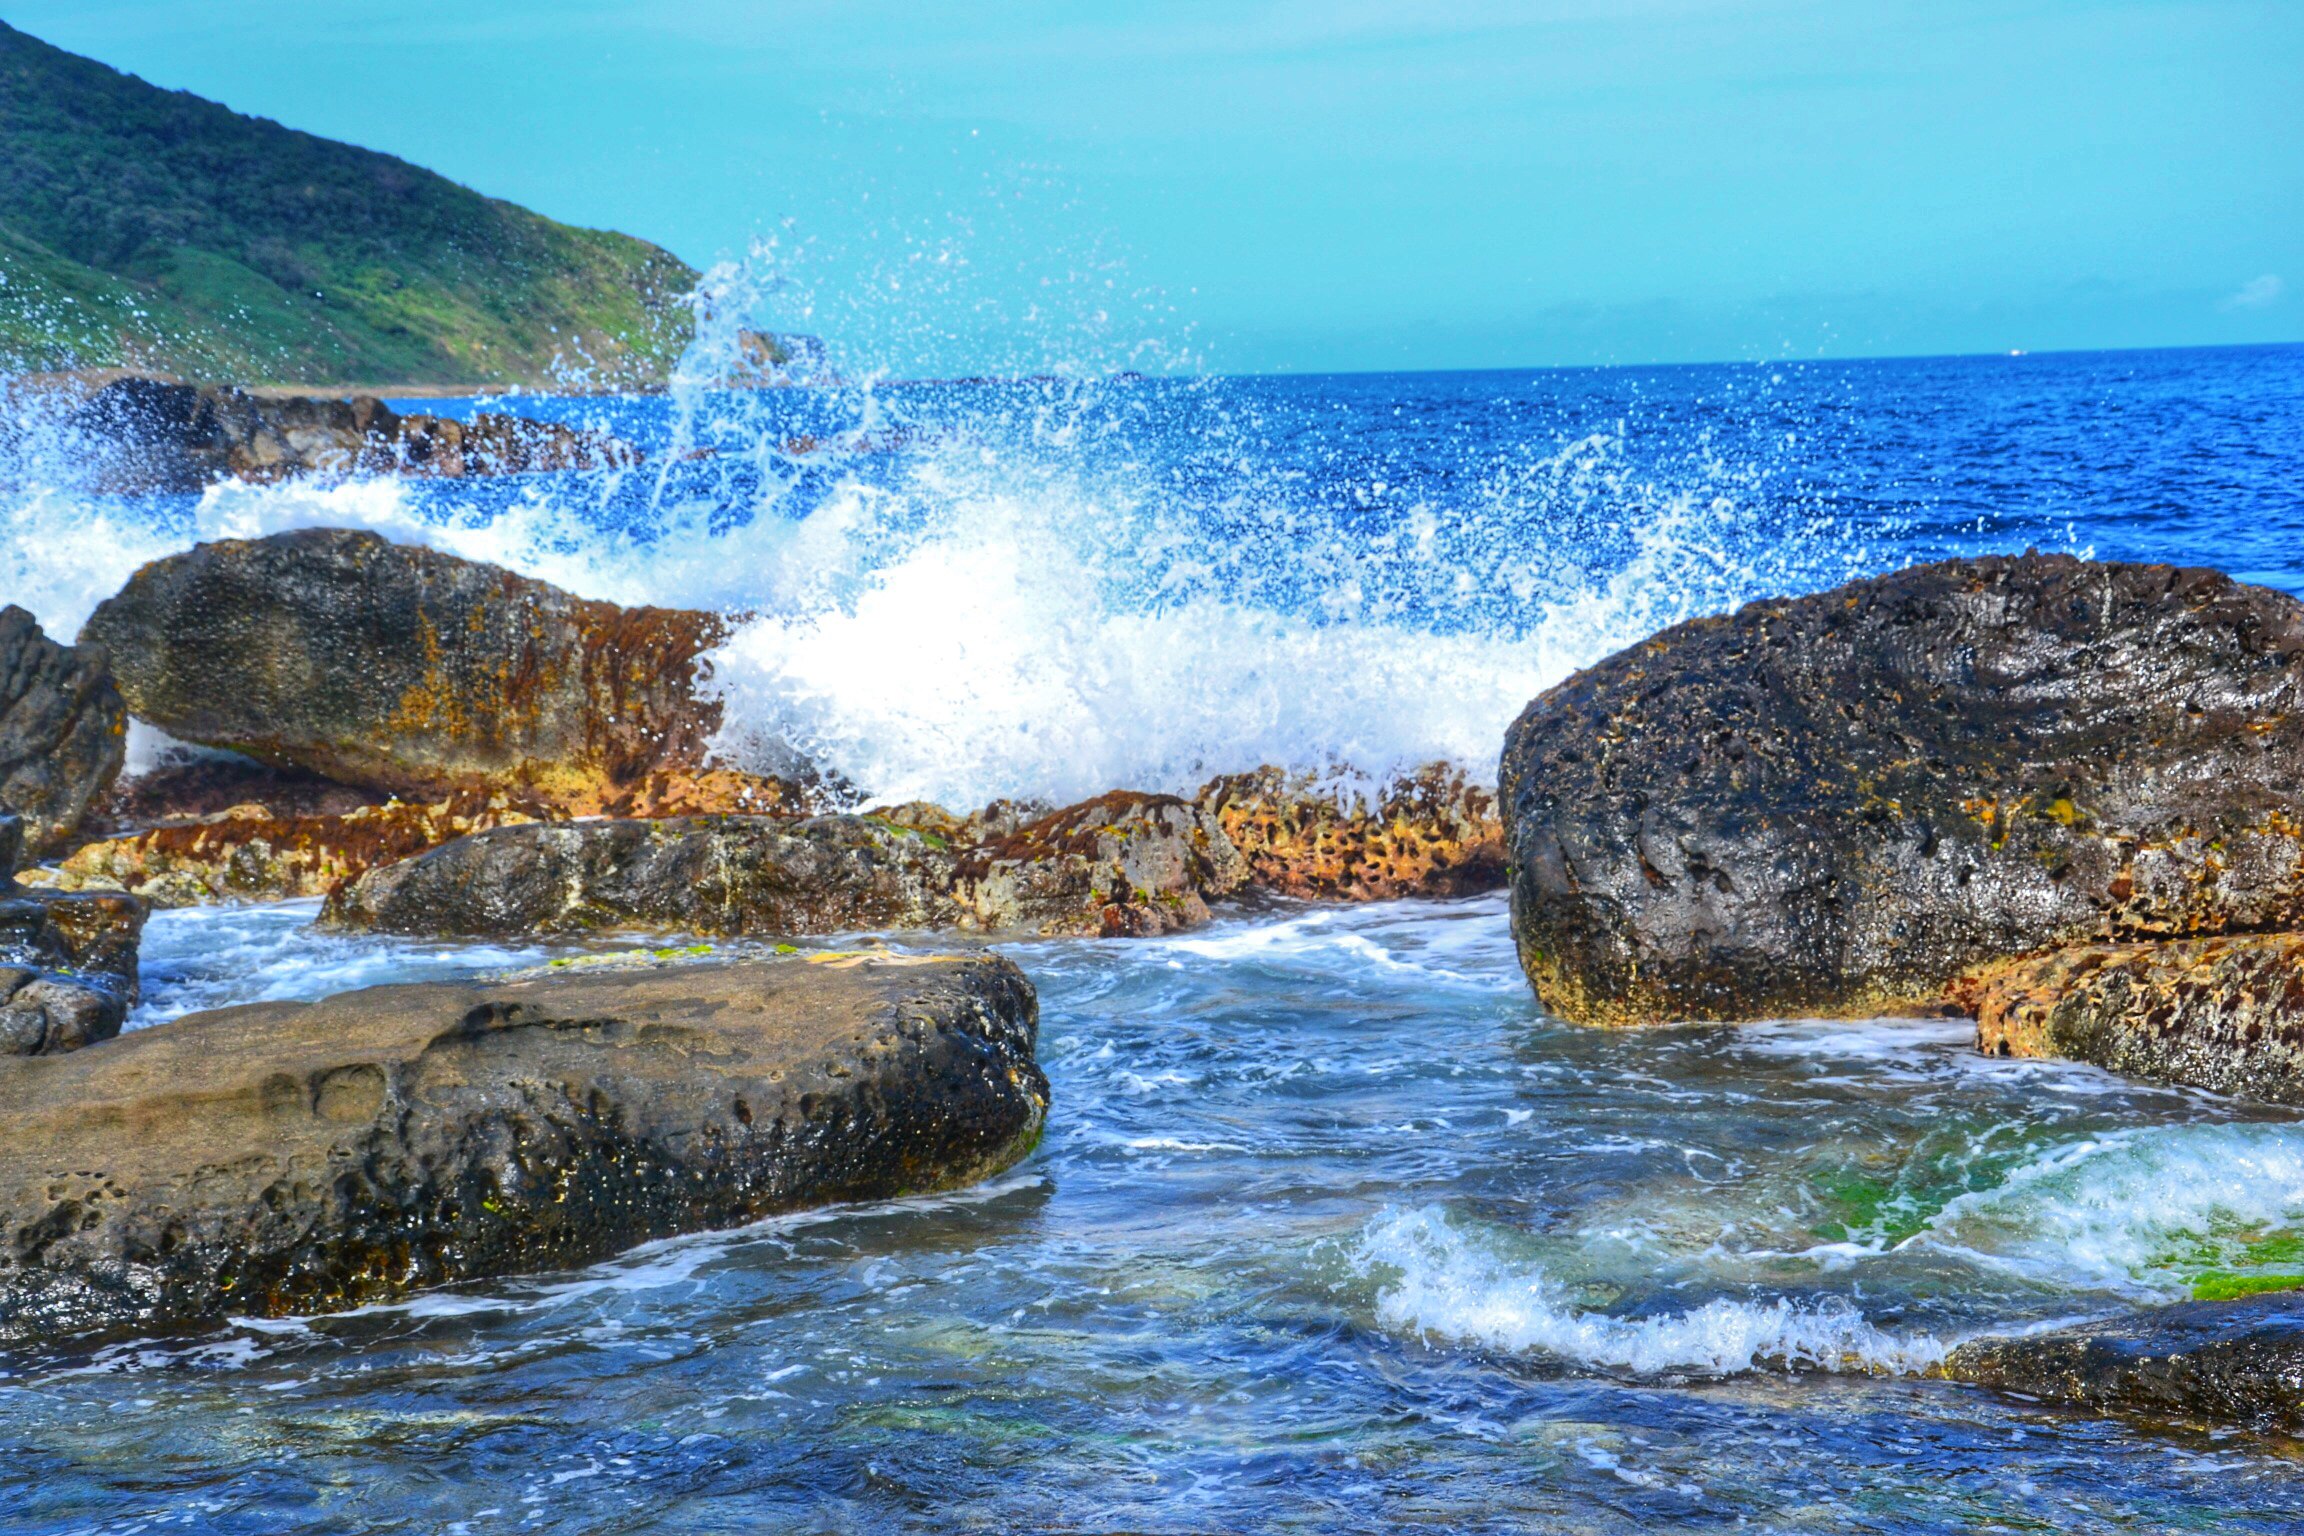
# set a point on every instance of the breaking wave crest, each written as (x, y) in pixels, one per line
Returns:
(1439, 1278)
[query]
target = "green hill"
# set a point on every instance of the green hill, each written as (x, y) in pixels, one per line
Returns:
(152, 229)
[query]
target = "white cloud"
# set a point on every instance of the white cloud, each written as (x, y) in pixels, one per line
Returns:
(2257, 292)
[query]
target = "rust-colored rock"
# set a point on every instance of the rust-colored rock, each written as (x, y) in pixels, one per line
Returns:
(248, 854)
(1428, 833)
(2226, 1014)
(408, 670)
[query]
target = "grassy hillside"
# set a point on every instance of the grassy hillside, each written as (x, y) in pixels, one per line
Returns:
(149, 228)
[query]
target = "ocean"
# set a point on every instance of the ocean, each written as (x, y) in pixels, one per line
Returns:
(1332, 1229)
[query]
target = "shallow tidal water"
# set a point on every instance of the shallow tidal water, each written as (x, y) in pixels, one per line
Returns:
(1331, 1230)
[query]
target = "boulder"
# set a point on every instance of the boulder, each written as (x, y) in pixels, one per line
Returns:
(246, 853)
(2225, 1014)
(1121, 865)
(2214, 1363)
(63, 730)
(1836, 804)
(408, 670)
(67, 963)
(1432, 832)
(302, 1157)
(152, 435)
(186, 789)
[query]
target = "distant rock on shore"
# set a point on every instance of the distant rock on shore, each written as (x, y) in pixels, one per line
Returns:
(408, 670)
(150, 435)
(1837, 804)
(303, 1157)
(1428, 833)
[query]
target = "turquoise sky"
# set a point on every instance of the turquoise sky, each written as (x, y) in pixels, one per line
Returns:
(1264, 186)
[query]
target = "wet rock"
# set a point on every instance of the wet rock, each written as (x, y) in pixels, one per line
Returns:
(408, 670)
(151, 435)
(2226, 1014)
(1428, 833)
(1120, 865)
(188, 790)
(1123, 865)
(67, 963)
(63, 729)
(2207, 1362)
(301, 1157)
(246, 853)
(1836, 804)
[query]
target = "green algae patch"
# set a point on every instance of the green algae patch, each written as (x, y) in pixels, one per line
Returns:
(2219, 1285)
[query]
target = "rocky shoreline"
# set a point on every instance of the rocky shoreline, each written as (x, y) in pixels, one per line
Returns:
(2053, 795)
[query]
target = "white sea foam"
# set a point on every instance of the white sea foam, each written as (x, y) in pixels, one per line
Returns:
(2137, 1212)
(1441, 1279)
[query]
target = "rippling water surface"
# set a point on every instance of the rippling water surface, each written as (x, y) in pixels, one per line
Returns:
(1332, 1229)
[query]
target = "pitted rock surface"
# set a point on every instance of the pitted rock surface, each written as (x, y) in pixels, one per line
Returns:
(409, 670)
(1120, 865)
(300, 1157)
(2225, 1014)
(1836, 804)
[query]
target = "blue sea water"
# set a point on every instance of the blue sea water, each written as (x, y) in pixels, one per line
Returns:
(1333, 1229)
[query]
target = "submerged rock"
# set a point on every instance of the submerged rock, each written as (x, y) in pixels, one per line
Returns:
(408, 670)
(63, 730)
(1428, 833)
(1120, 865)
(67, 963)
(151, 435)
(1836, 804)
(301, 1157)
(2204, 1362)
(2226, 1014)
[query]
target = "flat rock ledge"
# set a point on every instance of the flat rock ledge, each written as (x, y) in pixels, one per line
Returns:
(1837, 804)
(2225, 1014)
(2220, 1363)
(1123, 865)
(287, 1158)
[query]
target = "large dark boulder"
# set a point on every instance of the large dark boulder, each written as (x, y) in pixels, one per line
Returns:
(409, 670)
(1835, 804)
(2216, 1363)
(63, 730)
(1121, 865)
(67, 963)
(302, 1157)
(153, 435)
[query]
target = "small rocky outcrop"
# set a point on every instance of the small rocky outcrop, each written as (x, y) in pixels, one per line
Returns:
(63, 730)
(150, 435)
(301, 1157)
(2225, 1014)
(1428, 833)
(408, 670)
(1836, 804)
(67, 963)
(246, 853)
(1122, 865)
(2215, 1363)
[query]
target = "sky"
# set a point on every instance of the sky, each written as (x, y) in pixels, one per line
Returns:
(1265, 185)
